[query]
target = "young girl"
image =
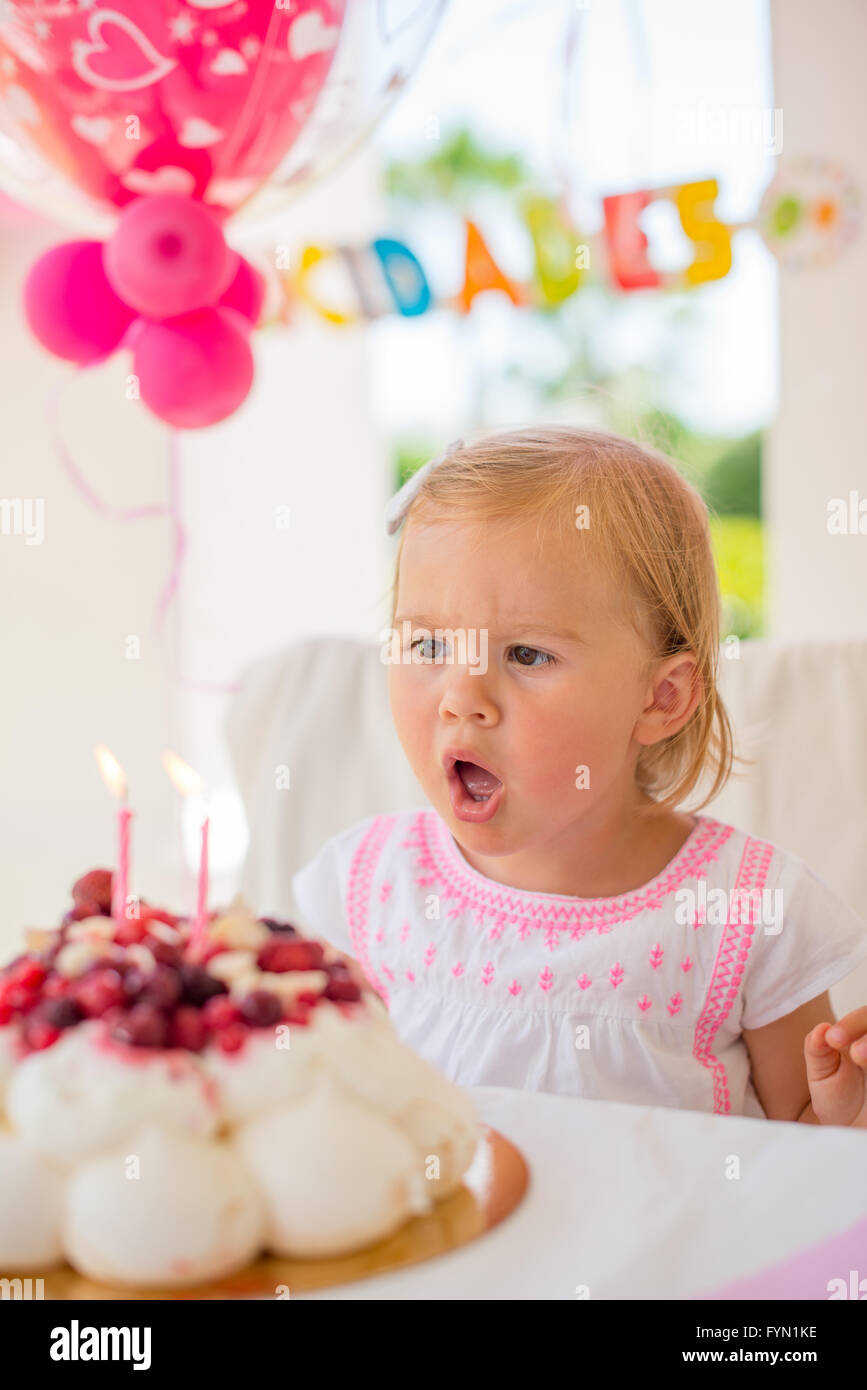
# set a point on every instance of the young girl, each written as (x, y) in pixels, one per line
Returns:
(556, 922)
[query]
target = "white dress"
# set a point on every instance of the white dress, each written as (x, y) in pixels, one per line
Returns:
(640, 997)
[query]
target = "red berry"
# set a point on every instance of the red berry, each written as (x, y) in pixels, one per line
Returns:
(198, 984)
(5, 1013)
(231, 1038)
(130, 932)
(38, 1034)
(143, 1026)
(338, 988)
(60, 1013)
(221, 1012)
(147, 913)
(20, 999)
(260, 1008)
(95, 887)
(162, 987)
(309, 998)
(56, 987)
(279, 956)
(30, 973)
(162, 951)
(99, 990)
(188, 1029)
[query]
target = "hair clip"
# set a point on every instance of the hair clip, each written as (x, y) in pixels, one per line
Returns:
(399, 504)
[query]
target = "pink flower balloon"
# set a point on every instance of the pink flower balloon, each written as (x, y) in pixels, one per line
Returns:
(196, 369)
(168, 256)
(141, 97)
(70, 305)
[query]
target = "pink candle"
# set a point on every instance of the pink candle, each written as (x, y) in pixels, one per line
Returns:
(121, 878)
(200, 926)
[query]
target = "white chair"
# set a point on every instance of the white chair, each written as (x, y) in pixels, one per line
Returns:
(317, 714)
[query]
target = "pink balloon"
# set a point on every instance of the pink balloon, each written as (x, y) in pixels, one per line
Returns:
(168, 256)
(196, 369)
(246, 293)
(140, 97)
(70, 305)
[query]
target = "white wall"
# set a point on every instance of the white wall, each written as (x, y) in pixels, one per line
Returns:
(66, 607)
(818, 446)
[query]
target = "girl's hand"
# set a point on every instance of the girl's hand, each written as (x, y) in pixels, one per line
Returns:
(837, 1070)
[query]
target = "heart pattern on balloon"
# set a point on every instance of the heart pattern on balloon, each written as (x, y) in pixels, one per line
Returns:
(217, 87)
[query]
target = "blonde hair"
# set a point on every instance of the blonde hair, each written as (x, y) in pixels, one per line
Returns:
(649, 533)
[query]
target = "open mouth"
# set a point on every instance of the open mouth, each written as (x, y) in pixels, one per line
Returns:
(475, 790)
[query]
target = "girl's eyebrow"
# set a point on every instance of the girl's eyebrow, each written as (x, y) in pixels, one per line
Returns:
(523, 626)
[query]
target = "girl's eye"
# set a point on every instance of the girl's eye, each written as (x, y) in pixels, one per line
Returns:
(427, 643)
(524, 657)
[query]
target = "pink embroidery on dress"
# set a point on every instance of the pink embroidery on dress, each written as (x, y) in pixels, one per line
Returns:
(734, 948)
(584, 981)
(457, 969)
(674, 1004)
(686, 964)
(616, 974)
(515, 988)
(358, 895)
(439, 861)
(656, 956)
(552, 938)
(387, 973)
(644, 1003)
(488, 973)
(430, 955)
(546, 978)
(405, 931)
(410, 977)
(380, 935)
(384, 891)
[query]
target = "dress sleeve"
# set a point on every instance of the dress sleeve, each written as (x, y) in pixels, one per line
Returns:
(821, 941)
(320, 887)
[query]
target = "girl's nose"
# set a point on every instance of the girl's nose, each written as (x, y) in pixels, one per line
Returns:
(468, 696)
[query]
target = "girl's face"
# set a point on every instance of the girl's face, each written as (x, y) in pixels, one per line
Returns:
(538, 678)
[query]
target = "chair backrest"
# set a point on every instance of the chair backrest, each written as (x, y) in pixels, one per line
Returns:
(316, 716)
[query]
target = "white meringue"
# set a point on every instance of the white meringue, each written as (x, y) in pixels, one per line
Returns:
(31, 1193)
(265, 1073)
(335, 1175)
(192, 1215)
(80, 1096)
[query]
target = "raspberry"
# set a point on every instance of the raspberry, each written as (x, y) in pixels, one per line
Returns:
(188, 1029)
(279, 956)
(40, 1035)
(99, 990)
(94, 887)
(130, 931)
(30, 973)
(221, 1012)
(231, 1038)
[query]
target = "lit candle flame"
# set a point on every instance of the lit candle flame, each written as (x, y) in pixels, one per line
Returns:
(185, 779)
(112, 773)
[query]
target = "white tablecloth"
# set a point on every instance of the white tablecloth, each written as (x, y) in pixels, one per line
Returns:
(639, 1202)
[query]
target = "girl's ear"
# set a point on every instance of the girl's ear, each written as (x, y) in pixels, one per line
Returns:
(674, 692)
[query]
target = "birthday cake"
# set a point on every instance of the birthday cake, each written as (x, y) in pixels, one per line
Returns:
(171, 1108)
